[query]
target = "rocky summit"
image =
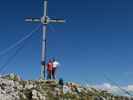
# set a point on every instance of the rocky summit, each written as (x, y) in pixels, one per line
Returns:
(12, 87)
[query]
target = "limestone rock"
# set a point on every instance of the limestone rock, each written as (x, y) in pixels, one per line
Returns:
(12, 87)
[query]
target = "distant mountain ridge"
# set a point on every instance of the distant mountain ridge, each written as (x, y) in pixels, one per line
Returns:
(114, 89)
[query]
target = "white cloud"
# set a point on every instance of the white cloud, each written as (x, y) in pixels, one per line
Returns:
(130, 87)
(107, 85)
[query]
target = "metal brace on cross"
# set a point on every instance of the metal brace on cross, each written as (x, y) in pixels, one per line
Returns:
(45, 20)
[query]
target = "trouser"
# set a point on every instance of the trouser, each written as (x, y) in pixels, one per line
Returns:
(49, 74)
(53, 73)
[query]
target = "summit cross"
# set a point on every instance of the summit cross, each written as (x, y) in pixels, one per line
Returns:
(44, 20)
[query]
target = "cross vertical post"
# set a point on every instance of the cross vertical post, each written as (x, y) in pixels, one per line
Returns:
(45, 20)
(44, 42)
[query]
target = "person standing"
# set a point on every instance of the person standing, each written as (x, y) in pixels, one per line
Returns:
(55, 65)
(49, 69)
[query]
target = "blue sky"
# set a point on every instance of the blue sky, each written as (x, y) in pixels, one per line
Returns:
(96, 39)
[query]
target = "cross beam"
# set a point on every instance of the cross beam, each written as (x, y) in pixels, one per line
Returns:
(45, 20)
